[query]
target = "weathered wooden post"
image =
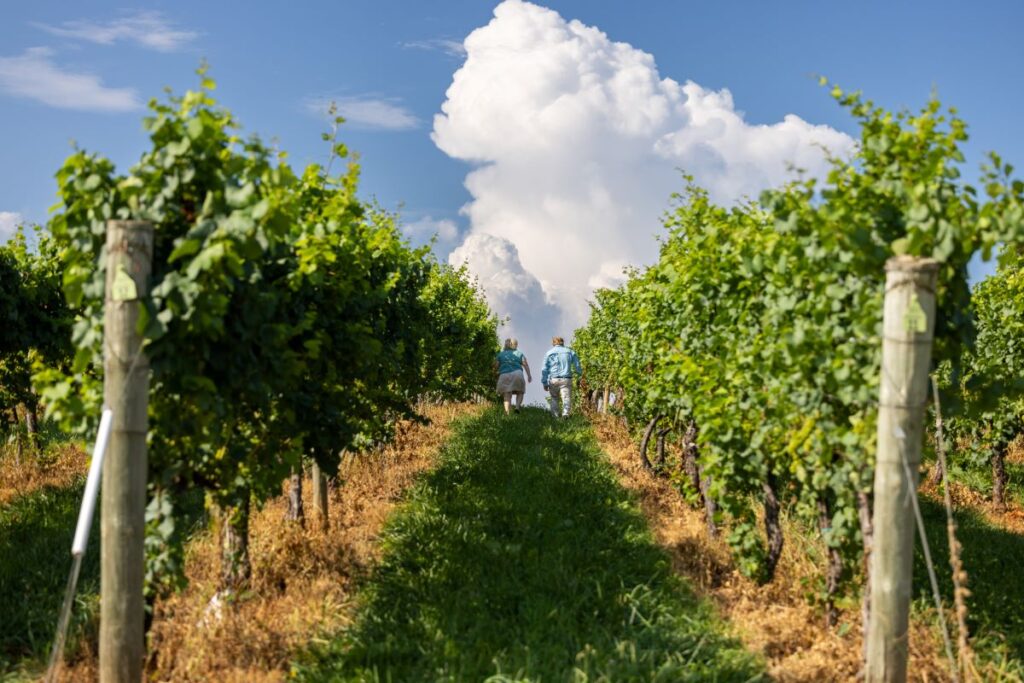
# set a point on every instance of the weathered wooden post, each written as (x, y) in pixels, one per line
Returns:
(31, 422)
(320, 495)
(604, 400)
(295, 512)
(125, 391)
(907, 329)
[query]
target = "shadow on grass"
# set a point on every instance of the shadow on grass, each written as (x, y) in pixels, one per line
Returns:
(36, 531)
(35, 557)
(993, 559)
(521, 557)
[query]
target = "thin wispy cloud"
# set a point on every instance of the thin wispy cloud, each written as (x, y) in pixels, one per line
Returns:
(35, 76)
(148, 29)
(367, 112)
(453, 48)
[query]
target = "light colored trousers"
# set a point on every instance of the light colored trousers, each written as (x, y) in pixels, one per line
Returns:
(561, 395)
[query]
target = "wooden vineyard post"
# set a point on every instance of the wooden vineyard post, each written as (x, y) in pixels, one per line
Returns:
(125, 392)
(320, 496)
(907, 329)
(295, 511)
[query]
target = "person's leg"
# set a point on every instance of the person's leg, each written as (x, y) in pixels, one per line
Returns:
(519, 400)
(553, 399)
(566, 395)
(508, 403)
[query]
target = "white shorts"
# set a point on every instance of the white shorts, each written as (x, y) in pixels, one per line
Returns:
(511, 383)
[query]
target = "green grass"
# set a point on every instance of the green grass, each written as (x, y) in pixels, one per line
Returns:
(1015, 485)
(35, 557)
(521, 558)
(980, 479)
(36, 531)
(994, 560)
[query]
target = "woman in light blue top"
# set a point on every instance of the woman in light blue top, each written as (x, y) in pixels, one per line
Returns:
(509, 365)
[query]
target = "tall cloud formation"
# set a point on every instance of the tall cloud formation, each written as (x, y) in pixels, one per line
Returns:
(496, 265)
(576, 142)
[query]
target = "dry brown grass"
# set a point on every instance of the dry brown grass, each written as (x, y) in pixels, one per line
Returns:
(59, 467)
(1015, 451)
(302, 579)
(777, 619)
(1009, 517)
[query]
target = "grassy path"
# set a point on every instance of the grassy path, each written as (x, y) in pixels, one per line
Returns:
(521, 558)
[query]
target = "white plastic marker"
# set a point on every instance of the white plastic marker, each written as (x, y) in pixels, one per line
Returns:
(92, 485)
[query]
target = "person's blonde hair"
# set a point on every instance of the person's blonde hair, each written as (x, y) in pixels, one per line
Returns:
(557, 341)
(509, 343)
(513, 343)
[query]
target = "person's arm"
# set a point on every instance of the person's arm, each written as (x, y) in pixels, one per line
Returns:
(544, 372)
(494, 366)
(526, 366)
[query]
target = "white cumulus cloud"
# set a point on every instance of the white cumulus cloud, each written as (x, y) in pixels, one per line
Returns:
(576, 143)
(9, 222)
(444, 231)
(34, 75)
(512, 292)
(150, 30)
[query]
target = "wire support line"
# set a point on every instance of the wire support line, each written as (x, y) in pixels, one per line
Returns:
(902, 406)
(919, 341)
(960, 592)
(936, 595)
(910, 282)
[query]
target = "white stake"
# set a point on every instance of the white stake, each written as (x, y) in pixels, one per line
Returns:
(92, 485)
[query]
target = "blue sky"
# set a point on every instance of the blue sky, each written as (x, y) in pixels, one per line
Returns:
(591, 187)
(270, 58)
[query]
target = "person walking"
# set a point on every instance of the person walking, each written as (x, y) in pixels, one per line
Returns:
(561, 365)
(509, 365)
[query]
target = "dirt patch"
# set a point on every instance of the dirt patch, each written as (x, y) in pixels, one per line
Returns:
(302, 578)
(59, 467)
(777, 620)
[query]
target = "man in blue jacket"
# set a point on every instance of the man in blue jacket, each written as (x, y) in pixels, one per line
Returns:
(561, 365)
